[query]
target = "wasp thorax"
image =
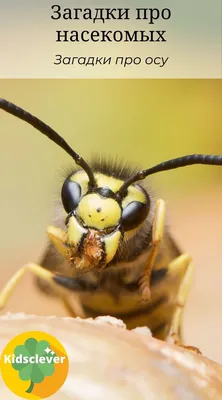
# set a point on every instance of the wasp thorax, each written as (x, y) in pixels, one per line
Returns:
(98, 212)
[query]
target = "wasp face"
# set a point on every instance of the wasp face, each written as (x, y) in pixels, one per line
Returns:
(98, 219)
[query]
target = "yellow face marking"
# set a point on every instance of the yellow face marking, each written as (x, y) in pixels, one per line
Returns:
(82, 178)
(111, 245)
(109, 181)
(102, 180)
(98, 212)
(134, 194)
(75, 231)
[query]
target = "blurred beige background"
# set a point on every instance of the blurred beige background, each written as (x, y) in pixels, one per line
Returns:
(143, 121)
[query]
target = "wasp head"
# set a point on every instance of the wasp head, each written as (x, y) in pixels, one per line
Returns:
(98, 219)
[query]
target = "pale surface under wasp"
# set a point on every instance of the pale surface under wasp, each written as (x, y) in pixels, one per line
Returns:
(107, 361)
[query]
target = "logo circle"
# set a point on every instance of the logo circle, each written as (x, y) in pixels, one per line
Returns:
(34, 365)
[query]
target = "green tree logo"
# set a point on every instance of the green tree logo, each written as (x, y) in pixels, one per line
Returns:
(35, 361)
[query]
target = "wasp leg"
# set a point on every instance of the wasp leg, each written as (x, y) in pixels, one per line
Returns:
(58, 238)
(182, 268)
(157, 234)
(74, 309)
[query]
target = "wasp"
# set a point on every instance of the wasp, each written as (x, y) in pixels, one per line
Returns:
(110, 246)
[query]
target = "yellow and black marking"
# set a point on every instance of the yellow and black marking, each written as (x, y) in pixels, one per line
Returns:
(110, 247)
(148, 253)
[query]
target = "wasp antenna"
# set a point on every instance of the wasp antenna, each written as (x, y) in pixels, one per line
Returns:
(171, 164)
(50, 133)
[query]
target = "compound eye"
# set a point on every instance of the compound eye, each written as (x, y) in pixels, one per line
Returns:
(134, 214)
(71, 194)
